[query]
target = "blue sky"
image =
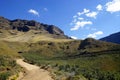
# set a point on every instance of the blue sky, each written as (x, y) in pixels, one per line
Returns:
(77, 18)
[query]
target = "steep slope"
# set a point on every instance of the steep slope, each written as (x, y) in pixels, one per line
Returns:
(28, 30)
(115, 38)
(48, 47)
(71, 48)
(87, 58)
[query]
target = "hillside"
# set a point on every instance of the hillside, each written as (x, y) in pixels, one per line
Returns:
(114, 38)
(28, 30)
(83, 57)
(48, 47)
(87, 59)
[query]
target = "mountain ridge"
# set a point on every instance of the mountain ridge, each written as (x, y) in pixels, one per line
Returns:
(114, 38)
(28, 25)
(47, 46)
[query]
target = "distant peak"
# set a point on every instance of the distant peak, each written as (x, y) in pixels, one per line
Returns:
(27, 25)
(115, 38)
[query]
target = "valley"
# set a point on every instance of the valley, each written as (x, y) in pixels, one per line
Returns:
(48, 52)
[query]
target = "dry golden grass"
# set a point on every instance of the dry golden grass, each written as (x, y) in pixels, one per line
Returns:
(31, 36)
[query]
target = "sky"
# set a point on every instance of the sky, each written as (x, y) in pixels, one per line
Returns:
(78, 19)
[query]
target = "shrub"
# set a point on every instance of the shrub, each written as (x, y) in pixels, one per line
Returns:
(4, 75)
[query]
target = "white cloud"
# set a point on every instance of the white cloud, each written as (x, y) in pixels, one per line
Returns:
(80, 21)
(84, 11)
(73, 37)
(81, 24)
(91, 14)
(75, 20)
(79, 13)
(45, 9)
(80, 18)
(99, 7)
(32, 11)
(113, 6)
(94, 35)
(75, 16)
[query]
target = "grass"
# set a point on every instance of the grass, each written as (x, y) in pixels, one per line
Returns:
(88, 59)
(92, 68)
(68, 59)
(8, 67)
(31, 36)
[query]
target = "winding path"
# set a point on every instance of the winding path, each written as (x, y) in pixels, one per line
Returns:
(33, 72)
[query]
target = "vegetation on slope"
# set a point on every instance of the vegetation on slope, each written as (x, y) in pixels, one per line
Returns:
(98, 67)
(8, 67)
(48, 47)
(68, 59)
(18, 26)
(95, 60)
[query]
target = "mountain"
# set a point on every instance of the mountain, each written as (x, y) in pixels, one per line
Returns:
(115, 38)
(19, 29)
(47, 46)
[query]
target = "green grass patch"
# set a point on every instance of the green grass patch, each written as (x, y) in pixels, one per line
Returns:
(8, 67)
(99, 67)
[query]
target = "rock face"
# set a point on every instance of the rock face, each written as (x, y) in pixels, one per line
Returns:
(92, 43)
(4, 23)
(115, 38)
(27, 25)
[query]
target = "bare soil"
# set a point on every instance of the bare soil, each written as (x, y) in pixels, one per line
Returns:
(33, 72)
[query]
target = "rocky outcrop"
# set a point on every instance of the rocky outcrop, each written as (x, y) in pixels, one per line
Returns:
(26, 25)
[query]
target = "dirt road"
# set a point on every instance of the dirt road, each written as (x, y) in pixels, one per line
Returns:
(33, 72)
